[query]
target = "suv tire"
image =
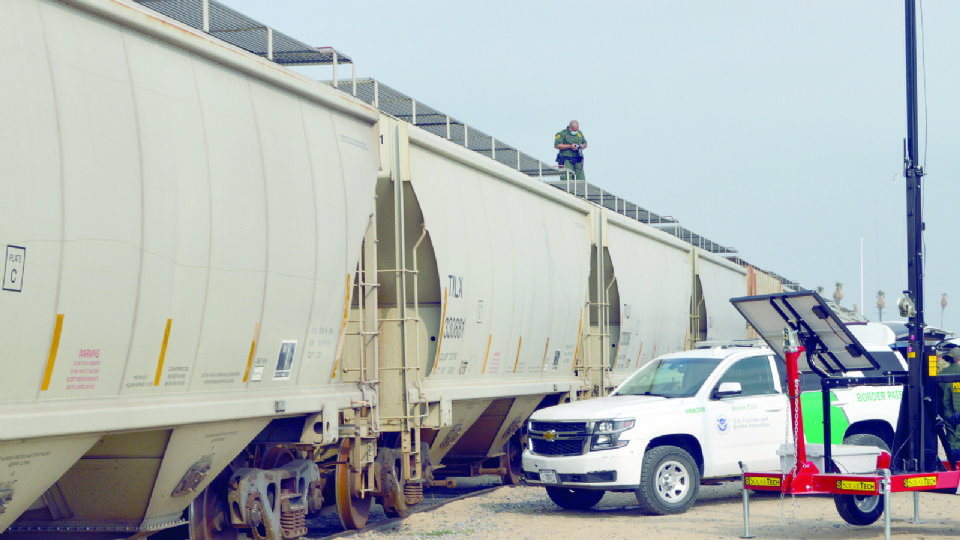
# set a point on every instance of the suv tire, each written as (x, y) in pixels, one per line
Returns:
(669, 481)
(574, 499)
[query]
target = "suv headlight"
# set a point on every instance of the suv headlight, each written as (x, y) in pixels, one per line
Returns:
(606, 433)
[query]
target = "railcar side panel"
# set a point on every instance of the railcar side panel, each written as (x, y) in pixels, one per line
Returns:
(176, 205)
(238, 241)
(291, 258)
(525, 238)
(568, 243)
(186, 212)
(31, 219)
(654, 278)
(343, 159)
(722, 280)
(101, 239)
(760, 282)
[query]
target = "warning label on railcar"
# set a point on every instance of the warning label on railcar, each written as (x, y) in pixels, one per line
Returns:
(220, 377)
(285, 360)
(256, 373)
(13, 268)
(85, 371)
(176, 376)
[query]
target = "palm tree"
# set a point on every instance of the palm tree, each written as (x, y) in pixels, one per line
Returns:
(881, 303)
(943, 307)
(838, 293)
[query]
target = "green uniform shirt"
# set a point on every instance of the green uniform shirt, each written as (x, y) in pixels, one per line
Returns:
(565, 137)
(950, 403)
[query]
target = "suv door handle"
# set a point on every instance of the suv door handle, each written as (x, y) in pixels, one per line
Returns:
(775, 409)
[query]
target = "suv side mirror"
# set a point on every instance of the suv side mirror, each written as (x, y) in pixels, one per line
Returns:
(727, 389)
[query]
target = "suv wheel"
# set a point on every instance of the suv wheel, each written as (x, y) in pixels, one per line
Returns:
(574, 499)
(669, 481)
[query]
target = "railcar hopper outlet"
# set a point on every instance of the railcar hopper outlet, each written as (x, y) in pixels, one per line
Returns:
(801, 328)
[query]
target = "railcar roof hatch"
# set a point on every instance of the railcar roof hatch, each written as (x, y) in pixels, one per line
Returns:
(831, 348)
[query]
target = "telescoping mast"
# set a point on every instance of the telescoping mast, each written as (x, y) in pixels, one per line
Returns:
(915, 443)
(810, 337)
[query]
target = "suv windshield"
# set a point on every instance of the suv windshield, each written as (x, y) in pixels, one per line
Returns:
(669, 377)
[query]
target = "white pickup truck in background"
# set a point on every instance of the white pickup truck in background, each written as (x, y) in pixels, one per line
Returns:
(691, 417)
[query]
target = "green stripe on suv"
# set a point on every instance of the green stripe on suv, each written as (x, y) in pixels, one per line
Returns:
(811, 403)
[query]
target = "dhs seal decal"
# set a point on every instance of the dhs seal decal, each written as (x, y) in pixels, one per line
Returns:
(723, 424)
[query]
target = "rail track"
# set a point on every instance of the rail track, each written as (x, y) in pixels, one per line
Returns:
(327, 524)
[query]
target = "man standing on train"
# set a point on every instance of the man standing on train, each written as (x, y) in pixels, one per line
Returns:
(571, 142)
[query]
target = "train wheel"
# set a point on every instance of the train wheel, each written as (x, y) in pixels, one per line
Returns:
(276, 456)
(512, 461)
(392, 485)
(209, 513)
(353, 508)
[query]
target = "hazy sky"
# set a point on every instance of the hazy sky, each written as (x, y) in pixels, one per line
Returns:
(772, 127)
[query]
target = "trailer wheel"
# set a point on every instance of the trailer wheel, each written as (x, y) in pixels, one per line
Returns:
(669, 481)
(861, 509)
(574, 499)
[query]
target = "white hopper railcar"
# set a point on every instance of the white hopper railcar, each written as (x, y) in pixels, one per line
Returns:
(517, 296)
(180, 223)
(227, 284)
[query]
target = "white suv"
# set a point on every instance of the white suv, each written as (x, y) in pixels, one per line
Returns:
(693, 416)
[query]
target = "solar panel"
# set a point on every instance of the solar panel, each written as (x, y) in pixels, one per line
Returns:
(831, 347)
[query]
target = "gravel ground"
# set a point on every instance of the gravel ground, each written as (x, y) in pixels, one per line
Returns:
(525, 512)
(327, 525)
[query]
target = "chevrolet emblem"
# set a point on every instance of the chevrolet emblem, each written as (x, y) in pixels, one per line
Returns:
(550, 435)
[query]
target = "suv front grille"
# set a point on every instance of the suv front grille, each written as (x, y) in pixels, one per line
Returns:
(558, 448)
(560, 427)
(559, 438)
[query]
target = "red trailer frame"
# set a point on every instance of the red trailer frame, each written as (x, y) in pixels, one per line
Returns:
(849, 489)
